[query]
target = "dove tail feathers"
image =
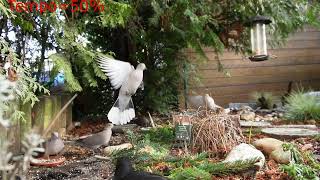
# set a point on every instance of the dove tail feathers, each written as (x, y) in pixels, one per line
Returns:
(120, 117)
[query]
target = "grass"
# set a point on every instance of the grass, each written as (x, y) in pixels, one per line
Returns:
(302, 107)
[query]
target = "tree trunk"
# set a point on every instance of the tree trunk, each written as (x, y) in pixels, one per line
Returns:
(43, 41)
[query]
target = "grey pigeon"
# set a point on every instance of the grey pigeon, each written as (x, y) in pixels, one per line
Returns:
(54, 145)
(94, 141)
(124, 171)
(205, 101)
(122, 75)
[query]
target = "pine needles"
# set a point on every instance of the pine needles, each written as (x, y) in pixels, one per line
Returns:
(215, 133)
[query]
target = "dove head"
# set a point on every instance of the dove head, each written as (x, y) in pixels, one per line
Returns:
(55, 135)
(109, 125)
(141, 66)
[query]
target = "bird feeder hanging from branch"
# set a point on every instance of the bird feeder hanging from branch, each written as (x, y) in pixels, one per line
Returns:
(258, 38)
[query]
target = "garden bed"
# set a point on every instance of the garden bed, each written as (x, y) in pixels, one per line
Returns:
(154, 152)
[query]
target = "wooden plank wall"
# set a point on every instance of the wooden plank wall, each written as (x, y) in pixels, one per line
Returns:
(297, 61)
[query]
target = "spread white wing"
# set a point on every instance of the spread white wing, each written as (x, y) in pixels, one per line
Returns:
(116, 70)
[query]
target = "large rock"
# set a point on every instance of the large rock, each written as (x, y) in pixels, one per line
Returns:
(267, 145)
(281, 156)
(247, 116)
(245, 152)
(273, 148)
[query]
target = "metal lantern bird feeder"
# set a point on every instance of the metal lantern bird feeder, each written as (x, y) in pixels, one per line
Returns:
(258, 38)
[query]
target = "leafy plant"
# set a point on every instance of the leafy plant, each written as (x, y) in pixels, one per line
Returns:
(300, 171)
(163, 135)
(302, 165)
(302, 106)
(24, 86)
(264, 100)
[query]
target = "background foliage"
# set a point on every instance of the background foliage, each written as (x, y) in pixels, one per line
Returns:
(154, 32)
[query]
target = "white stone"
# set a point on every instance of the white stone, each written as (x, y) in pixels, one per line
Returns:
(245, 152)
(247, 116)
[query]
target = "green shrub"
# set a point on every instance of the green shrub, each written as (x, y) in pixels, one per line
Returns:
(302, 107)
(265, 100)
(302, 165)
(163, 135)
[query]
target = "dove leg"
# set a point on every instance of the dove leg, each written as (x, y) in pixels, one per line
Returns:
(46, 156)
(61, 152)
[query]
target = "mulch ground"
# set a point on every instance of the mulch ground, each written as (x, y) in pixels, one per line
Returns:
(81, 164)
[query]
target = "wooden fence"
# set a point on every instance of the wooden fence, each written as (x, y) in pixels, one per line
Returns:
(298, 61)
(38, 118)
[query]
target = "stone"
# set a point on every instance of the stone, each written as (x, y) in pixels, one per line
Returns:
(263, 111)
(238, 106)
(248, 124)
(312, 121)
(267, 145)
(281, 156)
(268, 118)
(314, 93)
(290, 132)
(247, 116)
(108, 150)
(246, 108)
(245, 152)
(280, 115)
(307, 126)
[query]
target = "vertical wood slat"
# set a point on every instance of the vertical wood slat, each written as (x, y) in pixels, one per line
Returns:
(38, 117)
(26, 124)
(67, 114)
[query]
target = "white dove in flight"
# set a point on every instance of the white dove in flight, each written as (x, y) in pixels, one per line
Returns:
(122, 75)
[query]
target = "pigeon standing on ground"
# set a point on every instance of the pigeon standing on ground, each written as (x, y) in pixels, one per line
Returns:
(122, 75)
(124, 171)
(94, 141)
(54, 145)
